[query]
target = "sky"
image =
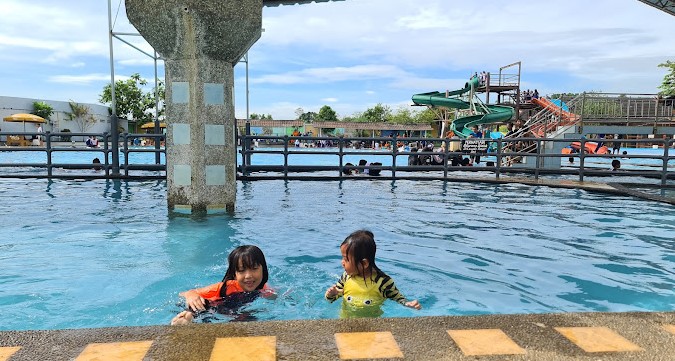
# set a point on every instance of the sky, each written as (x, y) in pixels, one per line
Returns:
(354, 54)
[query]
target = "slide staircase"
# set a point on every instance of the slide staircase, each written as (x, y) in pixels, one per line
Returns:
(554, 120)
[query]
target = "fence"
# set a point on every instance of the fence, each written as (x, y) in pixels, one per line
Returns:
(536, 161)
(543, 158)
(19, 165)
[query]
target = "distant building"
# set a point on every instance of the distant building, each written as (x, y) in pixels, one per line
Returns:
(57, 121)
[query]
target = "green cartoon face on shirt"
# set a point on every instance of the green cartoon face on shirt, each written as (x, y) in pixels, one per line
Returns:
(361, 301)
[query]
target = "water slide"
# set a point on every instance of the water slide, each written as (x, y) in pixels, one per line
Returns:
(462, 126)
(558, 109)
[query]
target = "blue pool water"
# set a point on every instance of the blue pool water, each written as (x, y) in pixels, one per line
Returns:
(76, 254)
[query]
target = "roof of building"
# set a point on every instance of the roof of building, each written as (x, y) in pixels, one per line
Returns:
(667, 6)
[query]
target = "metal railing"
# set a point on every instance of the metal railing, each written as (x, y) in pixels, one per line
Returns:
(52, 144)
(403, 163)
(535, 154)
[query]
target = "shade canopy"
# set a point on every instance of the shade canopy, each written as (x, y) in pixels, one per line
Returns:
(23, 117)
(152, 125)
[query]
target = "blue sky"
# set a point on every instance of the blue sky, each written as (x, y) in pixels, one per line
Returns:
(354, 54)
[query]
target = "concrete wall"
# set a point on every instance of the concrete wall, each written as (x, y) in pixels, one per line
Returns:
(58, 121)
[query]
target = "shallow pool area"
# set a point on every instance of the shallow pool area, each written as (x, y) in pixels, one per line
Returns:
(80, 254)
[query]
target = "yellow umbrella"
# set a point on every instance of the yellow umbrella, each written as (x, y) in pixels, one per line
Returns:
(23, 117)
(152, 125)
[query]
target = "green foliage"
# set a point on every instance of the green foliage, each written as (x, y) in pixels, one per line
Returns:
(132, 102)
(81, 115)
(308, 117)
(668, 85)
(327, 114)
(377, 114)
(403, 115)
(254, 116)
(427, 116)
(42, 109)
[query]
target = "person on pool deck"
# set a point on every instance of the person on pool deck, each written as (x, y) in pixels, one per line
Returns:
(616, 146)
(245, 279)
(363, 286)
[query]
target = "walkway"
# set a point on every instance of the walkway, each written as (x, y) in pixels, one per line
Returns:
(570, 336)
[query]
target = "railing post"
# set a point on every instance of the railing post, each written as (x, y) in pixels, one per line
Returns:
(581, 115)
(666, 147)
(286, 157)
(582, 152)
(394, 152)
(125, 151)
(106, 152)
(48, 148)
(446, 141)
(499, 157)
(341, 147)
(246, 145)
(539, 160)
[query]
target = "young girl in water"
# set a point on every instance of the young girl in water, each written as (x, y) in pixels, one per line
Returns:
(245, 279)
(363, 286)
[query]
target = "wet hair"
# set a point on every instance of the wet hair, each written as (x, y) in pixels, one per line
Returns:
(361, 245)
(616, 164)
(249, 256)
(347, 169)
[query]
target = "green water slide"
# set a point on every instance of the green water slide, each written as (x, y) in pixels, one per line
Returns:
(486, 114)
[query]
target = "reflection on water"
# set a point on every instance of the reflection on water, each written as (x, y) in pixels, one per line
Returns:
(109, 253)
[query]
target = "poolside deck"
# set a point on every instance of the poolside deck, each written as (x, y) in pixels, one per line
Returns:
(569, 336)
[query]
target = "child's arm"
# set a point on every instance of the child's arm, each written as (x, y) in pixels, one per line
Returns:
(390, 291)
(196, 298)
(335, 291)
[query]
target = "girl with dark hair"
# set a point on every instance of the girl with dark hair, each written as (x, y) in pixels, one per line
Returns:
(363, 286)
(245, 279)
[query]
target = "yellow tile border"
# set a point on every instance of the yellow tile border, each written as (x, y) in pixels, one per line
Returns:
(597, 339)
(7, 352)
(367, 345)
(255, 348)
(485, 342)
(128, 351)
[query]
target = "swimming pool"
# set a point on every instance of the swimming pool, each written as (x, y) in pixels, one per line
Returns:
(77, 254)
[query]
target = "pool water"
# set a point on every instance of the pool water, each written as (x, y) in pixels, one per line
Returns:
(78, 254)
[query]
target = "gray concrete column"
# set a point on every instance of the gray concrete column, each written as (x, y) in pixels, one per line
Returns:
(201, 41)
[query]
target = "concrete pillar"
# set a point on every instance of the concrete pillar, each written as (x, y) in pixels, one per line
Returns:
(201, 41)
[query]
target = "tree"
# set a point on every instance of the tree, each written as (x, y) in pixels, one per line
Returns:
(308, 117)
(299, 112)
(81, 115)
(132, 102)
(254, 116)
(427, 116)
(402, 115)
(327, 114)
(42, 109)
(378, 113)
(668, 85)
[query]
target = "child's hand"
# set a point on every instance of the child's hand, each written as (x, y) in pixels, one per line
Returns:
(413, 304)
(194, 301)
(332, 291)
(183, 318)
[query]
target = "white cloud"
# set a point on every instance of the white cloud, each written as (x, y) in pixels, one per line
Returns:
(83, 79)
(335, 74)
(353, 54)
